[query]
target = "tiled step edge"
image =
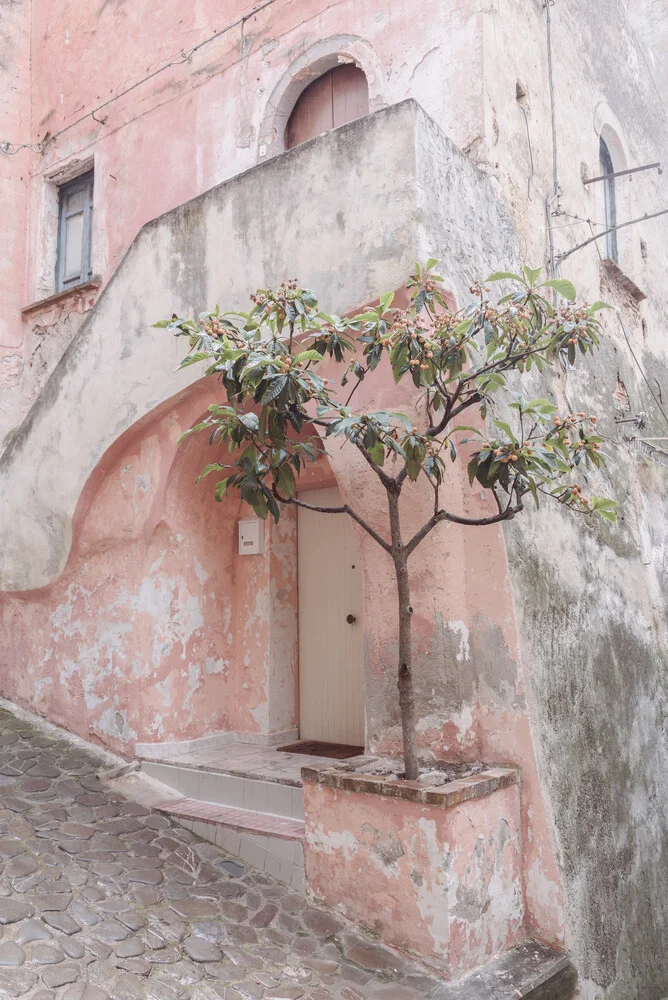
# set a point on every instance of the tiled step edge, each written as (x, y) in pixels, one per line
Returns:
(529, 971)
(235, 819)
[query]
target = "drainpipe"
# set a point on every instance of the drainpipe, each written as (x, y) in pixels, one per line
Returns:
(554, 197)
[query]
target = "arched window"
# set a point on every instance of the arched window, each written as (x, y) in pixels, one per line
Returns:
(610, 201)
(337, 97)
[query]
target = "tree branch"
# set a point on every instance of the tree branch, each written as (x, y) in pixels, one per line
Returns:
(355, 387)
(471, 401)
(498, 500)
(447, 413)
(505, 514)
(345, 509)
(387, 481)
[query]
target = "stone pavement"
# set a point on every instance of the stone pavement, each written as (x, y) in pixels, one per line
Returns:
(102, 899)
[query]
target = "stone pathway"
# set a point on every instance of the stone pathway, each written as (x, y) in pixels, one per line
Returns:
(101, 899)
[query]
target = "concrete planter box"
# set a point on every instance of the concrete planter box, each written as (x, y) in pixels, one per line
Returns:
(434, 871)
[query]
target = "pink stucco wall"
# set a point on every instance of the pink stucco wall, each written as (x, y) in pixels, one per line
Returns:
(440, 882)
(157, 629)
(204, 117)
(472, 701)
(14, 185)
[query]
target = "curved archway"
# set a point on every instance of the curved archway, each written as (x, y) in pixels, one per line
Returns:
(316, 61)
(337, 97)
(158, 630)
(612, 196)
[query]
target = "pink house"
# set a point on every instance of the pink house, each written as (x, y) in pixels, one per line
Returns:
(161, 158)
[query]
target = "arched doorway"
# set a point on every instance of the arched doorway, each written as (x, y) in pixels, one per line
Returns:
(336, 97)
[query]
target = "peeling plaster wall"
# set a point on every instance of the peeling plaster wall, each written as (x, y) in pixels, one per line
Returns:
(471, 687)
(591, 599)
(241, 235)
(157, 629)
(580, 679)
(177, 263)
(14, 186)
(440, 883)
(193, 126)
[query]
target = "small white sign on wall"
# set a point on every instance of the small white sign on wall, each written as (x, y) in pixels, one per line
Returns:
(251, 536)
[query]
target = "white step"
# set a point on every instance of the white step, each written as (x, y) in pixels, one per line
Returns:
(244, 820)
(250, 793)
(273, 844)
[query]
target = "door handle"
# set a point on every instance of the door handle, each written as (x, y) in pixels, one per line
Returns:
(351, 619)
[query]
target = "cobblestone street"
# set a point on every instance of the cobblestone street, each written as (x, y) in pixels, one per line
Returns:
(102, 898)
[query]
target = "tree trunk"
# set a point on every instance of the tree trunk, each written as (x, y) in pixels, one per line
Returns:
(405, 673)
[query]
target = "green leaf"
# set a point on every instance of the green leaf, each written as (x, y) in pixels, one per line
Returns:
(503, 276)
(386, 300)
(431, 262)
(221, 489)
(605, 508)
(413, 466)
(532, 274)
(420, 300)
(250, 421)
(286, 481)
(309, 356)
(377, 453)
(534, 492)
(274, 389)
(506, 428)
(403, 419)
(596, 306)
(192, 359)
(260, 509)
(562, 286)
(465, 427)
(214, 467)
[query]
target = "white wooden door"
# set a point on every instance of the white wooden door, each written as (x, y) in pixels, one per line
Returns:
(331, 648)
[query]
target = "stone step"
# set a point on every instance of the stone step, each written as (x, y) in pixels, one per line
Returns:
(530, 971)
(258, 795)
(245, 820)
(274, 844)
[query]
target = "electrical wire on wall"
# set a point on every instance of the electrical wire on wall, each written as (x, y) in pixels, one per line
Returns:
(531, 175)
(10, 149)
(555, 260)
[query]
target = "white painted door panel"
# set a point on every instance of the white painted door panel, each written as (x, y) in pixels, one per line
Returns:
(331, 650)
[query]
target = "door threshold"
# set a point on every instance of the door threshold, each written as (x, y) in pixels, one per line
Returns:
(317, 748)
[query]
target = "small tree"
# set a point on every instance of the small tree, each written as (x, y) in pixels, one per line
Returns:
(268, 359)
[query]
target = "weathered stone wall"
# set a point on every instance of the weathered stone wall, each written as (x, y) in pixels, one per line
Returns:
(590, 599)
